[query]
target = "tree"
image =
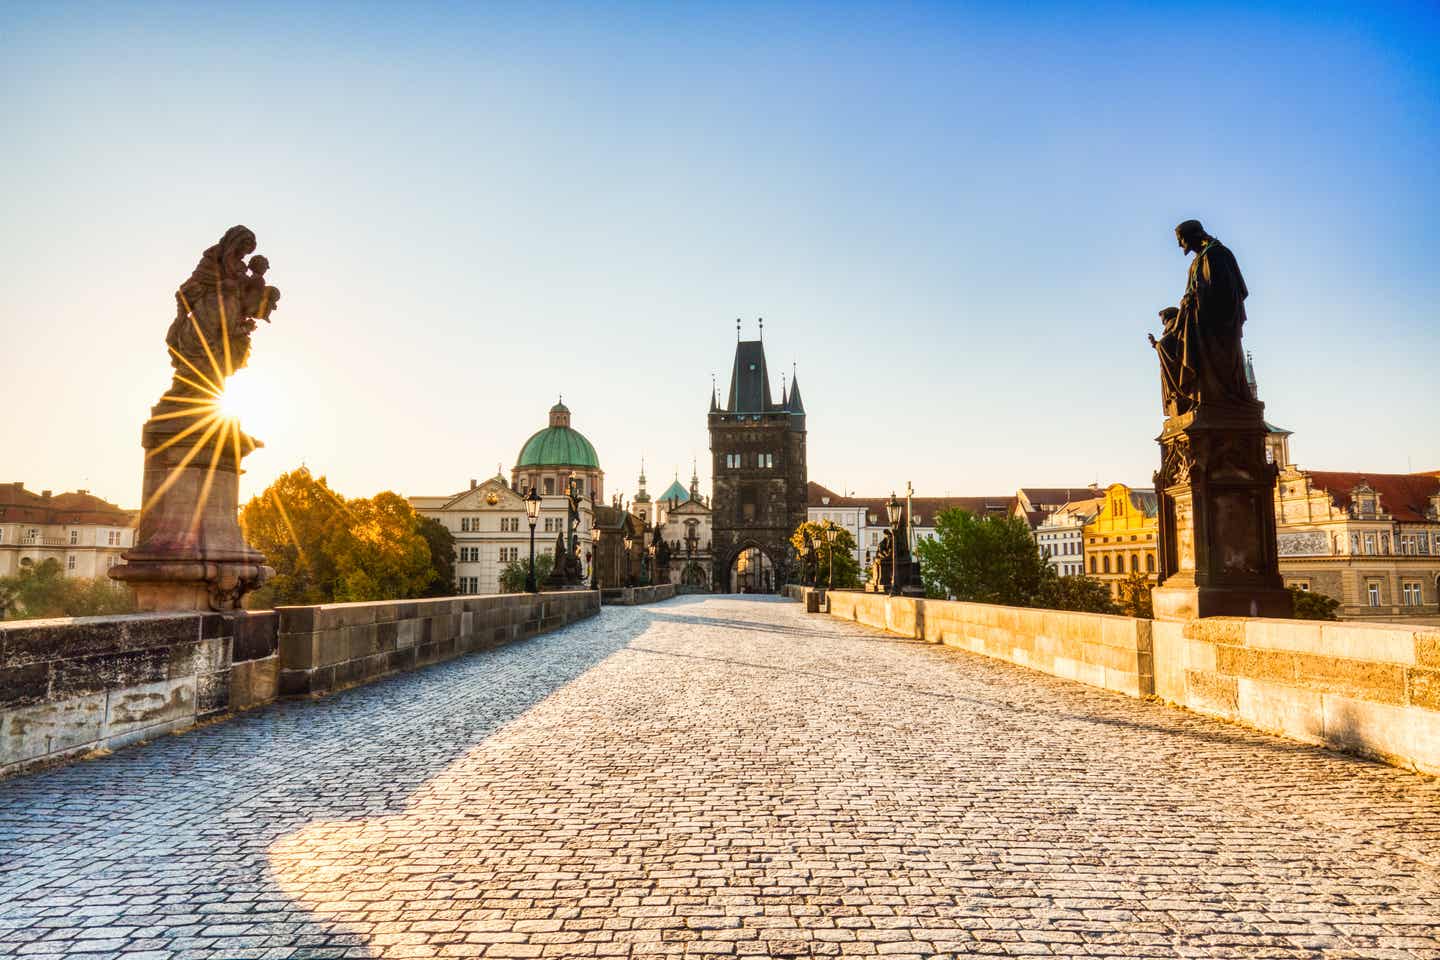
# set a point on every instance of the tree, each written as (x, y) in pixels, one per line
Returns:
(1312, 605)
(1135, 596)
(42, 590)
(1079, 593)
(326, 548)
(514, 573)
(442, 557)
(983, 560)
(847, 568)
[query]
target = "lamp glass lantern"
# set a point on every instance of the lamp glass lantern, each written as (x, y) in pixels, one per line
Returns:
(532, 507)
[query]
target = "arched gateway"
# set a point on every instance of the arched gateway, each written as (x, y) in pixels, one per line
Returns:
(757, 449)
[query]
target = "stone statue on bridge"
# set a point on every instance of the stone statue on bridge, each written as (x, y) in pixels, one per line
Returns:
(1201, 359)
(1218, 554)
(189, 553)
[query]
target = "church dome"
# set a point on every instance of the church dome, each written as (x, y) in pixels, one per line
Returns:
(558, 445)
(675, 492)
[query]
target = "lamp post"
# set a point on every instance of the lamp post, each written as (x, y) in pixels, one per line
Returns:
(894, 511)
(532, 514)
(595, 556)
(830, 531)
(691, 538)
(629, 543)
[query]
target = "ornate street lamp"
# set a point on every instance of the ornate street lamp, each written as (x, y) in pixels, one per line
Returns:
(532, 514)
(894, 511)
(629, 544)
(595, 557)
(830, 530)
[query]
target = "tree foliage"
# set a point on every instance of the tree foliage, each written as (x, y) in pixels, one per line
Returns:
(1077, 592)
(995, 560)
(983, 560)
(326, 548)
(42, 590)
(1311, 605)
(513, 574)
(847, 568)
(442, 557)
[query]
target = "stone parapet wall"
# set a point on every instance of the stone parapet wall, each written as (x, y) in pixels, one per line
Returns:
(633, 596)
(71, 686)
(1367, 688)
(1103, 651)
(329, 647)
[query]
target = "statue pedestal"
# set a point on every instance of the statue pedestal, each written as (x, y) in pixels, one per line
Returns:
(1216, 495)
(189, 553)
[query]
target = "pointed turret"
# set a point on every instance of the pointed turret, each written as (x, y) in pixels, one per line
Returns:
(793, 403)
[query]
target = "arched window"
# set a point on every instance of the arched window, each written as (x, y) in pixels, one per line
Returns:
(1092, 564)
(1149, 563)
(1106, 563)
(1134, 563)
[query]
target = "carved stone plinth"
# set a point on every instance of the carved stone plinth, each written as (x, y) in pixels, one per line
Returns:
(189, 553)
(1218, 554)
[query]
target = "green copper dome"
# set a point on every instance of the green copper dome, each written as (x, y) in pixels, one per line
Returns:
(675, 492)
(558, 445)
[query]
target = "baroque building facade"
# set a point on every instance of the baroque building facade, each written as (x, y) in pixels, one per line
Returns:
(867, 519)
(1121, 540)
(488, 520)
(84, 533)
(757, 449)
(1369, 540)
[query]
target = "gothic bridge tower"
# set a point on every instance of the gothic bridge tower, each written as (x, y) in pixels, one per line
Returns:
(757, 448)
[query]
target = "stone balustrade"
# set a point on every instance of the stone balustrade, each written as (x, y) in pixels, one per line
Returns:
(633, 596)
(72, 686)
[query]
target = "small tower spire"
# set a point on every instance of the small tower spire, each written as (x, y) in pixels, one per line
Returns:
(737, 329)
(762, 329)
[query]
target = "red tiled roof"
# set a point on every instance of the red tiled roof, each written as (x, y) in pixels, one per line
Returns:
(18, 505)
(1405, 496)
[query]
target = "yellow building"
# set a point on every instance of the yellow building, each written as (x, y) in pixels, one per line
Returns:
(1121, 540)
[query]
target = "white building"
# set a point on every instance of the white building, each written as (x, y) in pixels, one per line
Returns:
(85, 534)
(867, 518)
(1061, 534)
(490, 529)
(488, 520)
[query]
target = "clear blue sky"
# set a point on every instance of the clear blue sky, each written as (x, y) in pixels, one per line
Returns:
(956, 218)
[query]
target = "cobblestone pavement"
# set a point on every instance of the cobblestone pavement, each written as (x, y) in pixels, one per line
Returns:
(721, 776)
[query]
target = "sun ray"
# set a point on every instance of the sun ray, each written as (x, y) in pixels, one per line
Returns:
(192, 412)
(289, 526)
(209, 385)
(204, 341)
(176, 470)
(196, 401)
(183, 434)
(219, 447)
(224, 331)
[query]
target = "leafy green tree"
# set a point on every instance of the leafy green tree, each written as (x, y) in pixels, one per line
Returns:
(42, 590)
(983, 560)
(326, 548)
(842, 550)
(513, 574)
(1135, 596)
(1079, 593)
(1311, 605)
(442, 557)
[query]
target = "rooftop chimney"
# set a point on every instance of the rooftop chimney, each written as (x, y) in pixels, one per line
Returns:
(45, 494)
(473, 484)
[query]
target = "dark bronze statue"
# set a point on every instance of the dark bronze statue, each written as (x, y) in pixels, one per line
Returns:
(1201, 359)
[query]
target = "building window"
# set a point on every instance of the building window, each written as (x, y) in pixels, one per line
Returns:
(70, 562)
(549, 486)
(1369, 543)
(112, 538)
(110, 561)
(509, 524)
(74, 537)
(1372, 593)
(509, 554)
(1149, 563)
(1411, 593)
(464, 524)
(1106, 563)
(1092, 565)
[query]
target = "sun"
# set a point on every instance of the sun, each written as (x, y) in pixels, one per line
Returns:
(238, 401)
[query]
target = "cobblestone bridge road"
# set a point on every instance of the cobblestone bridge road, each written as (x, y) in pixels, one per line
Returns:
(721, 776)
